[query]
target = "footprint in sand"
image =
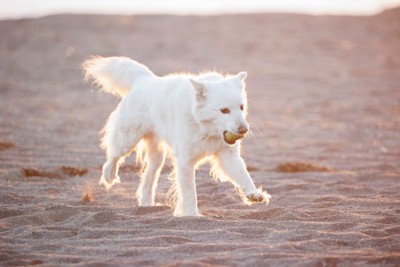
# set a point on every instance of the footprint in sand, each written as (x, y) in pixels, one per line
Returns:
(6, 145)
(54, 173)
(301, 167)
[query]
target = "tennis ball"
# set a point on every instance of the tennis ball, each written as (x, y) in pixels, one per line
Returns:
(231, 137)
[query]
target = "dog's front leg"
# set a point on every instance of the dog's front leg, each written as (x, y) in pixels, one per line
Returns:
(233, 166)
(186, 188)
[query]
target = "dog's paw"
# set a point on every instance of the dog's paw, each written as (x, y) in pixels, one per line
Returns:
(186, 211)
(258, 197)
(146, 202)
(189, 214)
(103, 181)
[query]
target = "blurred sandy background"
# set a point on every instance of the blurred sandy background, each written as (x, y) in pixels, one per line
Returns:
(323, 90)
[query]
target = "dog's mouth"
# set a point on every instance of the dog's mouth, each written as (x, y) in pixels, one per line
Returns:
(231, 138)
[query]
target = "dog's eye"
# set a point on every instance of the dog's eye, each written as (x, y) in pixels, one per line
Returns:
(225, 110)
(241, 107)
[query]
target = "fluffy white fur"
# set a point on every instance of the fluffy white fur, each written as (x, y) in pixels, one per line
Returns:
(180, 114)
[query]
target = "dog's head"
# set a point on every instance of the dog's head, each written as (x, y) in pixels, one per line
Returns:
(221, 107)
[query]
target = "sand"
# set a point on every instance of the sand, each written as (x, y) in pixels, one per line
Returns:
(324, 92)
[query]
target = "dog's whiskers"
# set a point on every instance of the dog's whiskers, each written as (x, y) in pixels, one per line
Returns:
(253, 126)
(251, 132)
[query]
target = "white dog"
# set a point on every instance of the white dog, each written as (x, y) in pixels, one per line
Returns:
(193, 117)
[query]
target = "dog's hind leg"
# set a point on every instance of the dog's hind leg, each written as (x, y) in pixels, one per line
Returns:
(110, 176)
(117, 145)
(154, 161)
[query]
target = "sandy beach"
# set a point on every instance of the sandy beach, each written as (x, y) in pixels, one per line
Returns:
(324, 104)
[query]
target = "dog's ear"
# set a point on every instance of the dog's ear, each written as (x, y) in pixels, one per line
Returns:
(242, 76)
(201, 90)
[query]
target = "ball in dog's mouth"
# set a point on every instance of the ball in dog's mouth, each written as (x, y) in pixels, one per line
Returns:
(230, 138)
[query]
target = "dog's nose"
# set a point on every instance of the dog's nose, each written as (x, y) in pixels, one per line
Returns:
(242, 129)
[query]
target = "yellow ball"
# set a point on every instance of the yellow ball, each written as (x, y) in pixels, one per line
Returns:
(231, 137)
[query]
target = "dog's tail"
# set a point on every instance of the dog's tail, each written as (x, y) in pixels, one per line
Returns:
(115, 75)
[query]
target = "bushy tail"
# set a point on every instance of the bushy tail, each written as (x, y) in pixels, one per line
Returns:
(115, 75)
